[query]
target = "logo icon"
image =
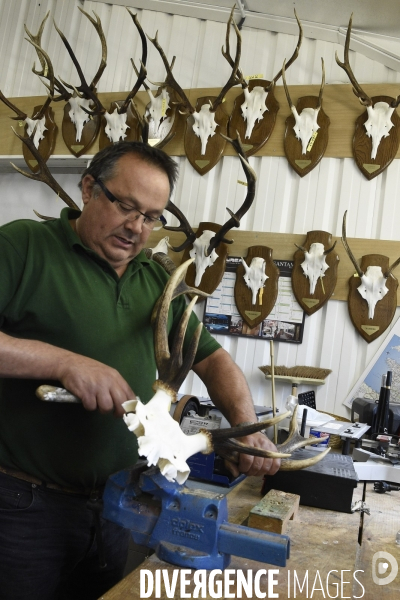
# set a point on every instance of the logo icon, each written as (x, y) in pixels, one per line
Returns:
(381, 561)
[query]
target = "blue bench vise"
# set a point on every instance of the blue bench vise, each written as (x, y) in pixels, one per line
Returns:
(185, 527)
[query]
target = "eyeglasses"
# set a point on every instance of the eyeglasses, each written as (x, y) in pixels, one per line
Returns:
(154, 223)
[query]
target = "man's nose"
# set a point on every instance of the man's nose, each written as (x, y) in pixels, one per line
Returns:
(135, 222)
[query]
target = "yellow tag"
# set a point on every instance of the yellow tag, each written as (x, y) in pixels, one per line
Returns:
(21, 123)
(258, 76)
(260, 296)
(163, 107)
(312, 140)
(223, 100)
(45, 70)
(242, 182)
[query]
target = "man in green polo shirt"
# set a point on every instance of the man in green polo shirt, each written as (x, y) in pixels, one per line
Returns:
(76, 295)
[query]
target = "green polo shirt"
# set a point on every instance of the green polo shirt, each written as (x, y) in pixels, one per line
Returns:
(54, 289)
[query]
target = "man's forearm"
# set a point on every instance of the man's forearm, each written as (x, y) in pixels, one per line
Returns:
(227, 387)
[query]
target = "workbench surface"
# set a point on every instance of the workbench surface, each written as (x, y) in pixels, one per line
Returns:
(322, 542)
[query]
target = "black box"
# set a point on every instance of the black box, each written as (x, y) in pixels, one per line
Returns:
(328, 484)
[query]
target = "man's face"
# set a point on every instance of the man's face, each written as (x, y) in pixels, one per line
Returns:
(116, 237)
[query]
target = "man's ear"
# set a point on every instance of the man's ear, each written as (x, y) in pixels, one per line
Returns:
(87, 188)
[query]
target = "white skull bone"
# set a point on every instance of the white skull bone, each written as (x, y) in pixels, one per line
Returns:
(379, 124)
(198, 252)
(78, 116)
(373, 288)
(204, 125)
(306, 125)
(314, 264)
(253, 107)
(40, 129)
(158, 108)
(116, 126)
(255, 276)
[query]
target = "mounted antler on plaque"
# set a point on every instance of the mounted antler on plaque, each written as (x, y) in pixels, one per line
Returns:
(202, 147)
(372, 292)
(254, 112)
(376, 138)
(306, 134)
(314, 273)
(209, 265)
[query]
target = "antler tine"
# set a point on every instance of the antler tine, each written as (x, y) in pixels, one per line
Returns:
(20, 115)
(172, 368)
(285, 86)
(301, 248)
(293, 57)
(330, 249)
(392, 267)
(345, 65)
(226, 53)
(38, 39)
(84, 89)
(184, 226)
(234, 221)
(44, 174)
(141, 76)
(321, 90)
(347, 247)
(170, 79)
(236, 76)
(103, 63)
(43, 56)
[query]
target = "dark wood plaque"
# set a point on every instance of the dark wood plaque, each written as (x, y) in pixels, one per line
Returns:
(370, 329)
(89, 133)
(203, 163)
(254, 314)
(46, 145)
(362, 144)
(213, 274)
(304, 163)
(262, 129)
(325, 285)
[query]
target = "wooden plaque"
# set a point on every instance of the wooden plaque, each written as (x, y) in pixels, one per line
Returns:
(385, 308)
(46, 145)
(170, 124)
(304, 163)
(254, 314)
(387, 149)
(325, 287)
(89, 133)
(212, 275)
(203, 163)
(132, 134)
(262, 129)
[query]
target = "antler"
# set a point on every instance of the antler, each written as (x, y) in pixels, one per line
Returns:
(170, 79)
(292, 58)
(143, 72)
(20, 115)
(84, 89)
(184, 226)
(234, 221)
(347, 247)
(236, 76)
(357, 89)
(226, 53)
(44, 174)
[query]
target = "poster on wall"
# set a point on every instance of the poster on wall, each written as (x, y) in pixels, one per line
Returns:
(285, 323)
(386, 359)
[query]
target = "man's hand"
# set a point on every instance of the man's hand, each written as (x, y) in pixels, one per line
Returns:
(255, 465)
(98, 386)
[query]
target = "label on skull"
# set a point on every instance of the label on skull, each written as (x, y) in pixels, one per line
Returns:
(312, 140)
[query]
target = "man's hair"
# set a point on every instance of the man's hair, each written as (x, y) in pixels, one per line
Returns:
(103, 164)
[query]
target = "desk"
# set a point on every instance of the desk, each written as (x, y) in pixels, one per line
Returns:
(321, 541)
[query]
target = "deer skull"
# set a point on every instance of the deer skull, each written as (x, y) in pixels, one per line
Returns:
(198, 252)
(255, 276)
(37, 125)
(158, 108)
(314, 265)
(373, 288)
(306, 125)
(379, 124)
(77, 115)
(204, 125)
(116, 126)
(253, 107)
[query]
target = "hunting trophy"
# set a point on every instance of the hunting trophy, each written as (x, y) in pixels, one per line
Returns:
(376, 137)
(254, 112)
(306, 134)
(256, 286)
(314, 273)
(372, 297)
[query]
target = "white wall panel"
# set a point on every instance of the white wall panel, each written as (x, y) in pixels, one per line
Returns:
(284, 202)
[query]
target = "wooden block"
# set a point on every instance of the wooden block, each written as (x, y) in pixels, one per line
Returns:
(273, 512)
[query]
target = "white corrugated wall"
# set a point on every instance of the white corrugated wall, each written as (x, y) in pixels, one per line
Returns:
(284, 203)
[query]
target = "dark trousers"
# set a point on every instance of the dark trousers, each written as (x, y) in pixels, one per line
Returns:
(48, 546)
